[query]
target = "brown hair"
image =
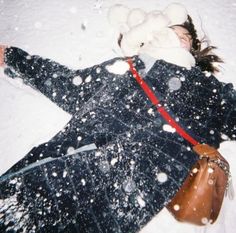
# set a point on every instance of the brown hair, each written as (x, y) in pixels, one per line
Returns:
(204, 57)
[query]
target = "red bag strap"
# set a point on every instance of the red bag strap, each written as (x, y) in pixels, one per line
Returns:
(152, 97)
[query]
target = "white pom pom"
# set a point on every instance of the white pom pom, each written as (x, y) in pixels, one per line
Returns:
(143, 33)
(165, 38)
(177, 13)
(156, 21)
(117, 16)
(135, 17)
(166, 46)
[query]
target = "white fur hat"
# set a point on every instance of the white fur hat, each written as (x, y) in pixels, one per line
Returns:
(117, 16)
(123, 18)
(149, 33)
(176, 13)
(135, 17)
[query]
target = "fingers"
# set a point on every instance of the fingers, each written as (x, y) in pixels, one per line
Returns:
(2, 52)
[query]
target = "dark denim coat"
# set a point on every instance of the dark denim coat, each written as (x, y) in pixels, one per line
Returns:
(131, 165)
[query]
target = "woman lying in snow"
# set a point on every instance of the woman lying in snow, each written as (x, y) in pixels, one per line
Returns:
(117, 163)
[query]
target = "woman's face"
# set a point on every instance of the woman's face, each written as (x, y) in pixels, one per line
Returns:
(184, 37)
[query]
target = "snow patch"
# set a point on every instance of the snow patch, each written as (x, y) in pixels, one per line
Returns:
(13, 212)
(54, 174)
(151, 112)
(114, 161)
(176, 207)
(83, 182)
(88, 79)
(118, 67)
(162, 177)
(77, 80)
(168, 128)
(129, 186)
(54, 75)
(141, 202)
(70, 150)
(64, 174)
(174, 84)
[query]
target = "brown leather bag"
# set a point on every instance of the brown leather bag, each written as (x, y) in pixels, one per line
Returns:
(200, 198)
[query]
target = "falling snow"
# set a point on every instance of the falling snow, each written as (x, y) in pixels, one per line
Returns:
(168, 128)
(104, 162)
(174, 84)
(114, 161)
(83, 182)
(176, 207)
(77, 80)
(162, 177)
(141, 201)
(129, 185)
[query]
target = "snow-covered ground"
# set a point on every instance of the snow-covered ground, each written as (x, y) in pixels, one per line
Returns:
(76, 33)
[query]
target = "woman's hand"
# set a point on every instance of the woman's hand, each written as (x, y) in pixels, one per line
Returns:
(2, 51)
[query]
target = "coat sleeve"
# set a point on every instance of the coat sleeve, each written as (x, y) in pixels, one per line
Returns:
(228, 112)
(69, 89)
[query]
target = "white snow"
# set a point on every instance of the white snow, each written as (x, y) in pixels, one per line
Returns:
(174, 84)
(77, 80)
(176, 207)
(114, 161)
(83, 181)
(168, 128)
(162, 177)
(88, 79)
(129, 185)
(64, 174)
(76, 33)
(141, 202)
(151, 112)
(119, 67)
(70, 150)
(54, 174)
(79, 138)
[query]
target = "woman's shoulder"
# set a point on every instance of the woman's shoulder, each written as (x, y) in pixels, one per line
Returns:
(193, 75)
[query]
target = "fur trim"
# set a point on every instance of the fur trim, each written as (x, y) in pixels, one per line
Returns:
(166, 46)
(177, 13)
(135, 17)
(143, 33)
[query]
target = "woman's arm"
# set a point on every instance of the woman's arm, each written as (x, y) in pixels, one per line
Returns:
(69, 89)
(228, 112)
